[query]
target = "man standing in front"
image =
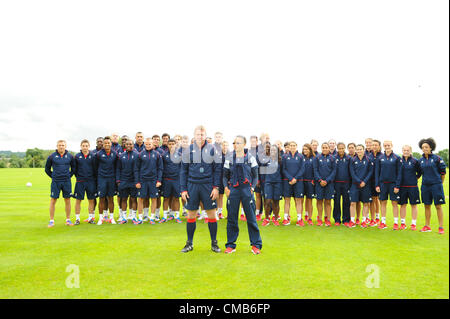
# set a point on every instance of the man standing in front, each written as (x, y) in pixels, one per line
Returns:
(200, 180)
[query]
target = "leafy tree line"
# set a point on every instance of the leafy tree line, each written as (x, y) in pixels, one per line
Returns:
(36, 157)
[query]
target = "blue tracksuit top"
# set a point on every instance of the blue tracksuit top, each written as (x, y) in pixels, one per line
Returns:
(203, 166)
(125, 166)
(116, 148)
(85, 167)
(148, 167)
(432, 169)
(324, 168)
(373, 158)
(361, 170)
(171, 165)
(388, 169)
(106, 164)
(273, 172)
(343, 169)
(159, 150)
(292, 165)
(308, 164)
(60, 168)
(240, 171)
(410, 171)
(139, 148)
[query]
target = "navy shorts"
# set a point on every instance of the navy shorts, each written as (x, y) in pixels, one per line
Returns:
(126, 189)
(257, 189)
(387, 190)
(326, 192)
(200, 193)
(148, 190)
(171, 188)
(310, 189)
(88, 187)
(58, 187)
(106, 187)
(358, 194)
(273, 191)
(296, 190)
(432, 193)
(411, 193)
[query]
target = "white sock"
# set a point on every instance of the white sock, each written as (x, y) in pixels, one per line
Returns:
(306, 214)
(67, 219)
(111, 215)
(157, 212)
(141, 216)
(77, 216)
(52, 220)
(413, 222)
(395, 220)
(383, 220)
(120, 212)
(377, 216)
(165, 214)
(152, 216)
(105, 213)
(257, 212)
(177, 214)
(204, 213)
(286, 216)
(146, 212)
(299, 216)
(403, 221)
(352, 219)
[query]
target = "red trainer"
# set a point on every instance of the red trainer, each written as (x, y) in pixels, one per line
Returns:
(373, 223)
(255, 250)
(300, 223)
(364, 224)
(258, 217)
(319, 222)
(402, 226)
(351, 224)
(221, 216)
(425, 229)
(306, 218)
(206, 220)
(395, 227)
(327, 222)
(346, 224)
(441, 230)
(265, 222)
(286, 222)
(242, 217)
(377, 220)
(276, 223)
(413, 227)
(229, 250)
(337, 224)
(382, 226)
(357, 221)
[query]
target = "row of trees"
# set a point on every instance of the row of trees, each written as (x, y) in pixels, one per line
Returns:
(36, 158)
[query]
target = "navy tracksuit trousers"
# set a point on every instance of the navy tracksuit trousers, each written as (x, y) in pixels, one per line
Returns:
(341, 190)
(243, 194)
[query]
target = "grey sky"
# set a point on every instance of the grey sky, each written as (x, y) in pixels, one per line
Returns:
(298, 70)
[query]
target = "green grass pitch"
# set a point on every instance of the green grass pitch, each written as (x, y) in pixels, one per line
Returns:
(144, 261)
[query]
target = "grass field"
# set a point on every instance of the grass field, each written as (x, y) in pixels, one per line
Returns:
(144, 261)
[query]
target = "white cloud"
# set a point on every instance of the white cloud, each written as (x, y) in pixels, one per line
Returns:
(329, 69)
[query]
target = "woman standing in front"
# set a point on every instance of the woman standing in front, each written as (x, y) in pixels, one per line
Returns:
(433, 171)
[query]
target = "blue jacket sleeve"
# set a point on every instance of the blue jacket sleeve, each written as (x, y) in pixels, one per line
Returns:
(369, 173)
(75, 167)
(441, 166)
(355, 177)
(184, 173)
(398, 181)
(332, 176)
(136, 170)
(72, 166)
(418, 170)
(118, 170)
(377, 172)
(226, 177)
(284, 169)
(48, 166)
(160, 168)
(301, 171)
(317, 176)
(217, 172)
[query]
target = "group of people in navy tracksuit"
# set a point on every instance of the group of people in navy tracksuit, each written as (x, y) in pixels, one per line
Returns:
(256, 178)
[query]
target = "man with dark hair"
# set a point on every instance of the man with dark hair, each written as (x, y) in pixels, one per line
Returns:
(106, 160)
(139, 142)
(165, 142)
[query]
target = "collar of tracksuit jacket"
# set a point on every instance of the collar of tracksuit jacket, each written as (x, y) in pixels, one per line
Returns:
(342, 168)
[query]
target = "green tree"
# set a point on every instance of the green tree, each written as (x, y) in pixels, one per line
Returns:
(416, 155)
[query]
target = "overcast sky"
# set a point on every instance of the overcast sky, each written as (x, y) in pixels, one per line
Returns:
(296, 69)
